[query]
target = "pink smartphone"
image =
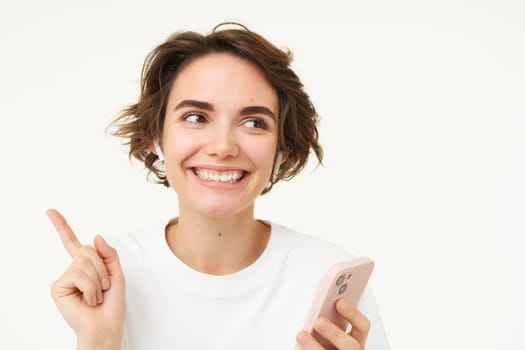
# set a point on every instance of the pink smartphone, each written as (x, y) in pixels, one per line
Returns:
(347, 279)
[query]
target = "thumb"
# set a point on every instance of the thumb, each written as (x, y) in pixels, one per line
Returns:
(109, 255)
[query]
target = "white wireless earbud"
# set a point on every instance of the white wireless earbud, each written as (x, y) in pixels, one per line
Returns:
(158, 150)
(277, 166)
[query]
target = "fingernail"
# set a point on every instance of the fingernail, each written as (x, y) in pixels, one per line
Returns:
(105, 283)
(303, 338)
(322, 325)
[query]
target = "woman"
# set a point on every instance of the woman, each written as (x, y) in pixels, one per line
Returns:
(221, 118)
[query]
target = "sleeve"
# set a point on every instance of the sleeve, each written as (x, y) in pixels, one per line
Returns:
(377, 339)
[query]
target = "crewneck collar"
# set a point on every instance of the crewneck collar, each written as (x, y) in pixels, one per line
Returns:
(259, 272)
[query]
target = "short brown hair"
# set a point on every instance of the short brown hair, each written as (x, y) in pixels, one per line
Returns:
(141, 124)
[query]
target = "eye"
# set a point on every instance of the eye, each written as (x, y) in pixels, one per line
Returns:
(194, 118)
(256, 124)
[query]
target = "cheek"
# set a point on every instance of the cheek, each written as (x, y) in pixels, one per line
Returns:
(178, 145)
(177, 148)
(262, 152)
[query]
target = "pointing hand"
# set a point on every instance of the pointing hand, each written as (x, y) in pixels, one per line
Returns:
(90, 294)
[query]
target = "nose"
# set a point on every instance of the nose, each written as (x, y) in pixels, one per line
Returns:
(222, 143)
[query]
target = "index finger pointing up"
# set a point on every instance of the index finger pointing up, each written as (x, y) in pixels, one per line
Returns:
(67, 236)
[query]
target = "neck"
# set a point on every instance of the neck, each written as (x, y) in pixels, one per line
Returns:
(217, 246)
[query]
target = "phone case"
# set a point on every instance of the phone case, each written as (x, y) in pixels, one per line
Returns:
(347, 279)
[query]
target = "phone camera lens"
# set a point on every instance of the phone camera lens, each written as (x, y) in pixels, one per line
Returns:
(340, 280)
(342, 289)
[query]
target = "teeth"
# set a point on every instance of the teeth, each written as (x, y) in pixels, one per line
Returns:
(226, 177)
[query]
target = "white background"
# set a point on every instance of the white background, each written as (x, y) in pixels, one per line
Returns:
(423, 124)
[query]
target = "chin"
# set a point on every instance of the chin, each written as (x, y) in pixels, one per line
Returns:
(219, 213)
(222, 209)
(219, 203)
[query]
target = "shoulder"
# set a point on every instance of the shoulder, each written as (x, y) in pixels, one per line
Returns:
(309, 258)
(302, 243)
(133, 245)
(309, 250)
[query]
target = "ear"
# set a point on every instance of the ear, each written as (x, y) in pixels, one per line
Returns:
(280, 158)
(284, 156)
(155, 149)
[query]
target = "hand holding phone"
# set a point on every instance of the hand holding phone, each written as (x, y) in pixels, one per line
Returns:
(344, 280)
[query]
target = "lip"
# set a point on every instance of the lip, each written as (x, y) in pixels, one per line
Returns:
(217, 168)
(217, 184)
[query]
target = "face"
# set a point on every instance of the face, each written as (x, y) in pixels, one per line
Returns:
(220, 135)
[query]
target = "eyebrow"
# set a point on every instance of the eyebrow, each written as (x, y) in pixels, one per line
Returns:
(258, 110)
(194, 103)
(209, 107)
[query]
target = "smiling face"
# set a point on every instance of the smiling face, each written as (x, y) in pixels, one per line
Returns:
(220, 135)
